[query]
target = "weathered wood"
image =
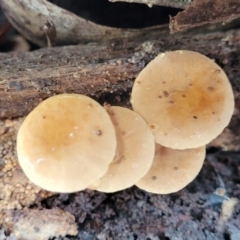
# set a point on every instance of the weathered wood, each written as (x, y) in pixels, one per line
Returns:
(196, 12)
(166, 3)
(95, 70)
(29, 17)
(202, 12)
(38, 224)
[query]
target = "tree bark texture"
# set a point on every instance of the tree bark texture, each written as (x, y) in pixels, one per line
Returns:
(108, 69)
(31, 17)
(202, 12)
(197, 12)
(166, 3)
(96, 70)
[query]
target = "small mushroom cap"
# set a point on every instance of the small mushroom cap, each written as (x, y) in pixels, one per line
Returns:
(185, 97)
(135, 151)
(172, 169)
(66, 143)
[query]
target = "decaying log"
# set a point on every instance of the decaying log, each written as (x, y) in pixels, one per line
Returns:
(29, 224)
(202, 12)
(165, 3)
(196, 12)
(29, 17)
(97, 70)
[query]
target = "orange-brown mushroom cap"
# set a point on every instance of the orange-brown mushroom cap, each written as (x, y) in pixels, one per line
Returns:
(135, 151)
(172, 169)
(185, 97)
(66, 143)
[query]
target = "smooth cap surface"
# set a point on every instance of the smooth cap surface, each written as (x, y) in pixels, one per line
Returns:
(172, 169)
(66, 143)
(185, 97)
(135, 151)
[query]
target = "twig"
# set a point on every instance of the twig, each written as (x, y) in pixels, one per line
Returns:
(166, 3)
(50, 31)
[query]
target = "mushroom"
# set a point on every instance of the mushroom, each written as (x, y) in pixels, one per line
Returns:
(66, 143)
(185, 98)
(172, 169)
(134, 155)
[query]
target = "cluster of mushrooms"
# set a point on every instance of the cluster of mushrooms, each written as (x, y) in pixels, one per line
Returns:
(181, 101)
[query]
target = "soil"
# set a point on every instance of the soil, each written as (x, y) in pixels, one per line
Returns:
(193, 213)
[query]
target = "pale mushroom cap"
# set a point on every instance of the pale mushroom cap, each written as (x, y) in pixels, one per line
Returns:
(185, 97)
(135, 151)
(172, 169)
(66, 143)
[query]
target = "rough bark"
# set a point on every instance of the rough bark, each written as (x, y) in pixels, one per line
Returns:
(165, 3)
(196, 12)
(202, 12)
(48, 223)
(99, 70)
(30, 18)
(96, 70)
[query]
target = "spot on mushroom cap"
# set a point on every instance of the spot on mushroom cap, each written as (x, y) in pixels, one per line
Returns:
(172, 169)
(66, 143)
(185, 97)
(135, 151)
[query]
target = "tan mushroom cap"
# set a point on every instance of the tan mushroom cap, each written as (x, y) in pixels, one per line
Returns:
(172, 169)
(66, 143)
(185, 97)
(135, 151)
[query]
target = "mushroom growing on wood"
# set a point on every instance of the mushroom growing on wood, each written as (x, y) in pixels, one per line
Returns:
(134, 155)
(185, 98)
(66, 143)
(172, 169)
